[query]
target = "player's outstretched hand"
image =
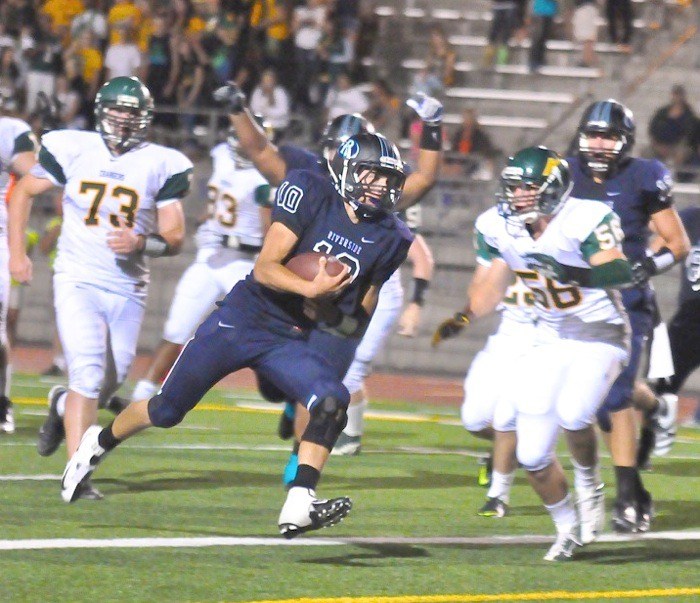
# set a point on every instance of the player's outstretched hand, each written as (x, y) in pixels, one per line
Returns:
(429, 109)
(21, 268)
(231, 98)
(450, 327)
(123, 239)
(325, 284)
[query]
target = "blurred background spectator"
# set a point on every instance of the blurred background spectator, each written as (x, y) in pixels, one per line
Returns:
(345, 97)
(472, 152)
(308, 27)
(383, 110)
(585, 30)
(671, 128)
(543, 13)
(620, 16)
(271, 100)
(503, 23)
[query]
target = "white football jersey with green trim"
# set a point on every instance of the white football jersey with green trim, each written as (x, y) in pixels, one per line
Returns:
(233, 207)
(100, 192)
(12, 133)
(580, 229)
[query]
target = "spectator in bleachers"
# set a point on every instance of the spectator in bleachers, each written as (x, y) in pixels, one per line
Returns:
(42, 52)
(271, 100)
(17, 16)
(191, 85)
(365, 38)
(344, 97)
(9, 77)
(223, 50)
(620, 16)
(384, 110)
(62, 13)
(84, 52)
(473, 152)
(441, 56)
(337, 48)
(124, 16)
(346, 13)
(271, 18)
(69, 101)
(123, 57)
(585, 30)
(307, 25)
(504, 19)
(93, 19)
(162, 61)
(239, 12)
(543, 13)
(671, 127)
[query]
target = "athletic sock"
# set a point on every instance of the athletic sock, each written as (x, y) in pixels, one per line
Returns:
(627, 479)
(356, 419)
(106, 438)
(144, 390)
(500, 485)
(307, 477)
(563, 514)
(585, 478)
(61, 404)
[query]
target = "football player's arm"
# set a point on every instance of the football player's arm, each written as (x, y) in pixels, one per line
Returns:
(422, 180)
(270, 272)
(486, 290)
(19, 207)
(673, 237)
(23, 162)
(258, 147)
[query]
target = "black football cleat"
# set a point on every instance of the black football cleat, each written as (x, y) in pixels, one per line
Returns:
(303, 512)
(52, 431)
(624, 517)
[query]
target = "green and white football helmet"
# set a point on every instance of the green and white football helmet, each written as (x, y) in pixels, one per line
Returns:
(123, 113)
(543, 180)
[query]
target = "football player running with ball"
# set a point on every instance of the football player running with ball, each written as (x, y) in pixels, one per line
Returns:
(121, 205)
(266, 320)
(568, 252)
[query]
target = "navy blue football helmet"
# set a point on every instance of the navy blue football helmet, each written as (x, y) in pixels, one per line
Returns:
(339, 129)
(610, 119)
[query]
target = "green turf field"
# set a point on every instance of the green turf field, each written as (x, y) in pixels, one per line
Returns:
(216, 478)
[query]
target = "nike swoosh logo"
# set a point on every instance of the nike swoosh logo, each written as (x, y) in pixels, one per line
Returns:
(366, 240)
(223, 325)
(613, 194)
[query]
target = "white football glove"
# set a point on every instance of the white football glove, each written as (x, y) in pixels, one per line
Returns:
(206, 236)
(429, 109)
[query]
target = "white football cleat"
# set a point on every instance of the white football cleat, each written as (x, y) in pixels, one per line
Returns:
(564, 546)
(665, 424)
(302, 512)
(81, 464)
(591, 510)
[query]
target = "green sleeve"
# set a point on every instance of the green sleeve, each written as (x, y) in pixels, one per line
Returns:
(175, 187)
(607, 235)
(484, 250)
(49, 163)
(24, 142)
(263, 196)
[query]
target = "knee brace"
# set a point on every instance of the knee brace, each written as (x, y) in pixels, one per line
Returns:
(328, 418)
(162, 413)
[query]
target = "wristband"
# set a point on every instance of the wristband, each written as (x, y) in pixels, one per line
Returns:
(661, 261)
(431, 137)
(155, 246)
(420, 285)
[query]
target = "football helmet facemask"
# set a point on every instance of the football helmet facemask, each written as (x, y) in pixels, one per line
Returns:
(238, 155)
(611, 120)
(123, 113)
(368, 173)
(536, 182)
(341, 128)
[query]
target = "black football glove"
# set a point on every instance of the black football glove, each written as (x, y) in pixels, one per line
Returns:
(231, 98)
(450, 327)
(642, 271)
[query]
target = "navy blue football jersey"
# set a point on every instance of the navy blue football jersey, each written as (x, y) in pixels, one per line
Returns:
(639, 189)
(297, 158)
(690, 271)
(308, 204)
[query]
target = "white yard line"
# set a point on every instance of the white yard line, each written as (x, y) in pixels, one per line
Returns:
(198, 542)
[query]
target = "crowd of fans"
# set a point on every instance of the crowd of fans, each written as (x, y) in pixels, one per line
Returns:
(290, 57)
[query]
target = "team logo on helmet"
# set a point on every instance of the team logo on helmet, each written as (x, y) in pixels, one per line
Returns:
(349, 149)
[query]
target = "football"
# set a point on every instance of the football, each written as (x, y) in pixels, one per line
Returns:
(305, 265)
